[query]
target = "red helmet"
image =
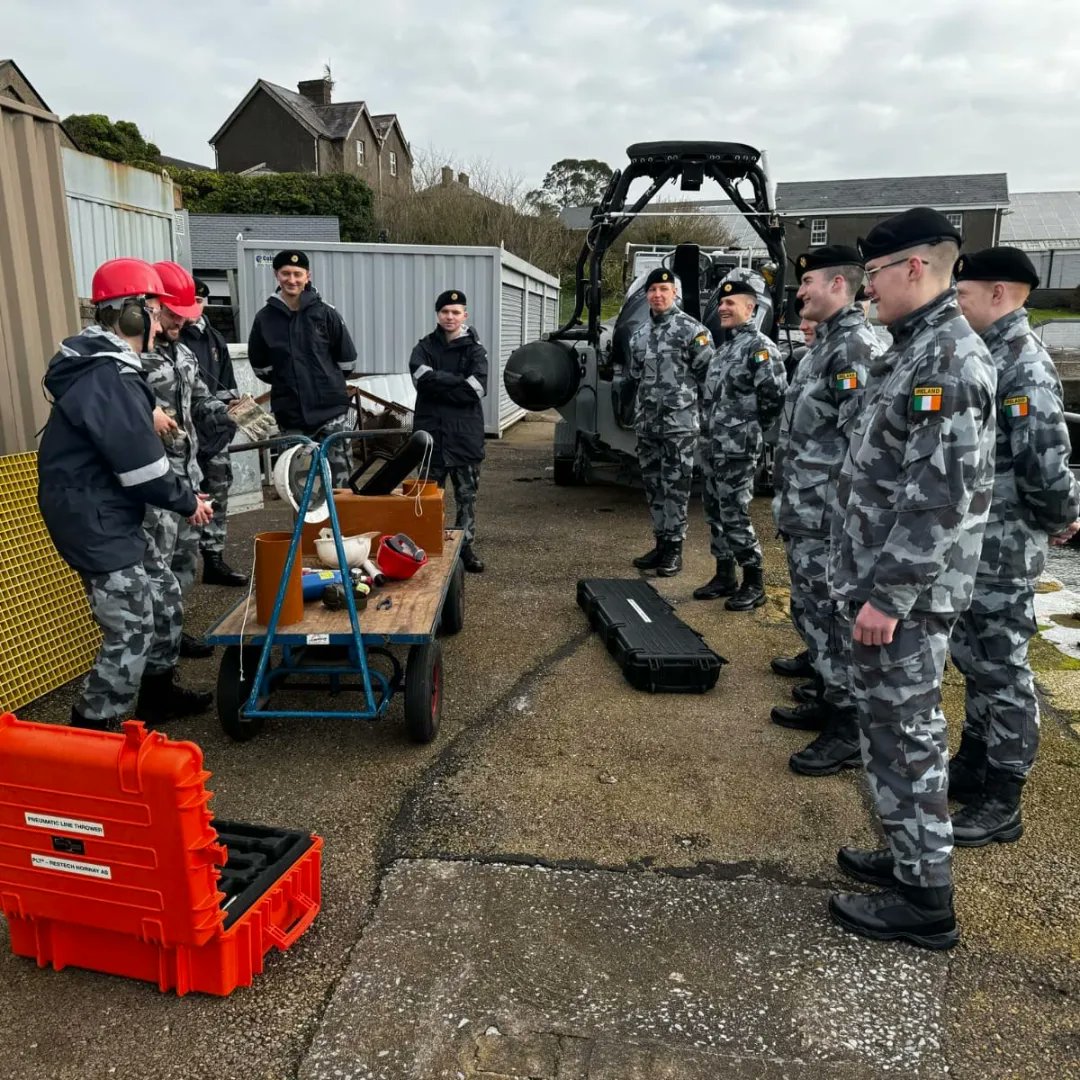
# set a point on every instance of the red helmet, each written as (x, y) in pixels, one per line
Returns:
(180, 286)
(125, 277)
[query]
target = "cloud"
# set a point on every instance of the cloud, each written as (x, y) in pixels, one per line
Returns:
(830, 91)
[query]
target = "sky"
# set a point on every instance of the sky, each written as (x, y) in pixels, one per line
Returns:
(830, 89)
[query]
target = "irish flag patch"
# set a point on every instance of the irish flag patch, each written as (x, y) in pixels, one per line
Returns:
(847, 380)
(926, 399)
(1016, 406)
(762, 356)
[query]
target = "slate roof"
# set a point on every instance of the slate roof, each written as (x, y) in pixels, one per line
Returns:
(1042, 219)
(213, 236)
(330, 121)
(941, 192)
(180, 163)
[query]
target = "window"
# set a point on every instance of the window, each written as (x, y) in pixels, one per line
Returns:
(819, 232)
(360, 148)
(393, 163)
(956, 221)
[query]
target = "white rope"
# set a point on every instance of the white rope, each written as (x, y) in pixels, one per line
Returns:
(247, 606)
(422, 477)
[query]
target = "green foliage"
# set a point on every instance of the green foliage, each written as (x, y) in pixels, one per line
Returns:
(571, 182)
(347, 197)
(120, 141)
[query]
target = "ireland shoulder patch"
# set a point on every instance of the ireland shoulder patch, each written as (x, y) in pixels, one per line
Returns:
(847, 380)
(761, 356)
(926, 399)
(1017, 405)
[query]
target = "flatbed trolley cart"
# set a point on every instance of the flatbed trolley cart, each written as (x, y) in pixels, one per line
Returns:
(402, 613)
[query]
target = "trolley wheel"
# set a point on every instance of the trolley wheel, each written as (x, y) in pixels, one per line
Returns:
(233, 692)
(423, 691)
(453, 612)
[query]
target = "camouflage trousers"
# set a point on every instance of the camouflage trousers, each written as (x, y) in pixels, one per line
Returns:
(340, 454)
(176, 542)
(217, 476)
(466, 482)
(667, 471)
(824, 625)
(902, 732)
(989, 646)
(729, 487)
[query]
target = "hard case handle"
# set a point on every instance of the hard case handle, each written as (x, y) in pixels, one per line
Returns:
(282, 939)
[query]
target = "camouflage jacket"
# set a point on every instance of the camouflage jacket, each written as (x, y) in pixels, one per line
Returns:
(744, 392)
(915, 487)
(820, 409)
(1034, 490)
(669, 358)
(173, 374)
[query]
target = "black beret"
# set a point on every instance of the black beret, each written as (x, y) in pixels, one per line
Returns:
(861, 296)
(291, 258)
(660, 276)
(997, 264)
(201, 288)
(451, 296)
(920, 225)
(820, 258)
(738, 288)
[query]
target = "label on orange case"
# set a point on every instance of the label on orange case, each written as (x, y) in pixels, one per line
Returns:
(71, 866)
(61, 824)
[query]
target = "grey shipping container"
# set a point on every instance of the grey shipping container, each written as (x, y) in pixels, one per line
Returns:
(386, 294)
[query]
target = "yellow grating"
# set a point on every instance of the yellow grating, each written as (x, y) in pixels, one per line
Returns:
(47, 634)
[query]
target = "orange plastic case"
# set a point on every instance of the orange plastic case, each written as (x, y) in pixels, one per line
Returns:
(110, 860)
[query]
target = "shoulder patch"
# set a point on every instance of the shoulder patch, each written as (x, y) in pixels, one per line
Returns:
(847, 380)
(761, 356)
(926, 399)
(702, 339)
(1017, 405)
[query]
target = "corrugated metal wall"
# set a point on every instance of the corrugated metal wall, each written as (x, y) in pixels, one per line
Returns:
(116, 211)
(386, 294)
(1058, 269)
(38, 305)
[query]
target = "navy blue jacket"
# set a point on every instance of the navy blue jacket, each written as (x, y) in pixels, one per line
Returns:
(451, 380)
(305, 356)
(100, 460)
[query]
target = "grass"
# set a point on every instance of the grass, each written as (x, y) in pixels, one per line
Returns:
(1041, 315)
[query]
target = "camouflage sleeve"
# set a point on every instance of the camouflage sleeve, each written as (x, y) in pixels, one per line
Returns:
(636, 367)
(847, 375)
(770, 382)
(934, 487)
(211, 415)
(700, 353)
(1034, 419)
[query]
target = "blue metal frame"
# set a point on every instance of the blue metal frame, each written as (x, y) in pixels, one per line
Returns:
(377, 689)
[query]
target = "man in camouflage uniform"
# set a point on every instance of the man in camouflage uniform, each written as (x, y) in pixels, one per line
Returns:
(173, 374)
(669, 359)
(99, 465)
(1035, 496)
(744, 392)
(820, 409)
(915, 488)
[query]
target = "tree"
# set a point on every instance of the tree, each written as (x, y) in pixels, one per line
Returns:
(120, 141)
(571, 182)
(336, 194)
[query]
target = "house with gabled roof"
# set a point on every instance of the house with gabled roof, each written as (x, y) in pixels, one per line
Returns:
(278, 130)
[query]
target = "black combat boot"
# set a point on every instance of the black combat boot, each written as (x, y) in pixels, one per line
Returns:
(671, 560)
(216, 571)
(191, 648)
(810, 692)
(994, 815)
(809, 716)
(471, 561)
(836, 748)
(722, 583)
(751, 592)
(92, 723)
(793, 667)
(162, 698)
(967, 770)
(651, 559)
(875, 867)
(922, 916)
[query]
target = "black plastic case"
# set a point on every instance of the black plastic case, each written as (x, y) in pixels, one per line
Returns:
(656, 650)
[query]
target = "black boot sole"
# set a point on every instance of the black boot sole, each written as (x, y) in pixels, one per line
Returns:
(662, 571)
(712, 594)
(946, 940)
(758, 601)
(794, 724)
(884, 881)
(1002, 836)
(800, 673)
(831, 769)
(238, 582)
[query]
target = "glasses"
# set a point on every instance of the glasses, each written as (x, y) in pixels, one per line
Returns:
(896, 262)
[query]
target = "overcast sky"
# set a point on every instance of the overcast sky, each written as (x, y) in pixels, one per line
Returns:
(831, 89)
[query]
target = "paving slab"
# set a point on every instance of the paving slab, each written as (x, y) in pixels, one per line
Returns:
(473, 969)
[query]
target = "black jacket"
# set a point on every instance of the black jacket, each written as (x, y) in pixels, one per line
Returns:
(215, 365)
(451, 382)
(100, 461)
(305, 356)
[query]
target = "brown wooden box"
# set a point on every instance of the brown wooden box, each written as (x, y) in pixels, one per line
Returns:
(386, 514)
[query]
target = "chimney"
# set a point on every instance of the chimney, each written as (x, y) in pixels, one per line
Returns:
(317, 91)
(447, 175)
(463, 179)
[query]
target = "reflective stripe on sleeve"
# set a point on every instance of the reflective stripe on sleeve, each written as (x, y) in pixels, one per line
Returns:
(474, 382)
(144, 473)
(421, 371)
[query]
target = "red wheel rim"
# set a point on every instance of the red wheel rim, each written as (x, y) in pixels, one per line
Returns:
(436, 684)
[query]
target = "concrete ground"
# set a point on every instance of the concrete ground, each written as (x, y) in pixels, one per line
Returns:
(578, 881)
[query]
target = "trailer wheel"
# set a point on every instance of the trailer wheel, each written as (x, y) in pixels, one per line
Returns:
(233, 692)
(423, 692)
(453, 612)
